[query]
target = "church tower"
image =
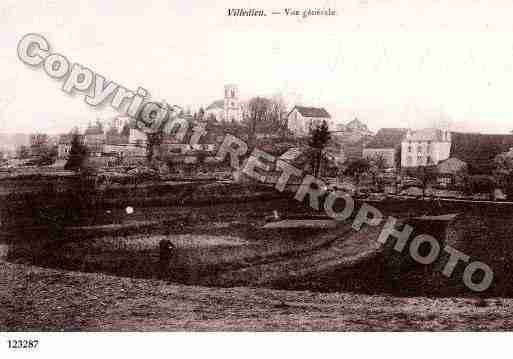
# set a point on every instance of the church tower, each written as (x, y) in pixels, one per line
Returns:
(232, 107)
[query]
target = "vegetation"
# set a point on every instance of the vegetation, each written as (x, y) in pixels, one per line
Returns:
(318, 141)
(504, 163)
(23, 152)
(357, 168)
(200, 115)
(479, 184)
(265, 115)
(47, 156)
(503, 172)
(424, 175)
(77, 154)
(156, 135)
(377, 164)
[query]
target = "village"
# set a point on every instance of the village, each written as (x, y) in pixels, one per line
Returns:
(204, 166)
(432, 162)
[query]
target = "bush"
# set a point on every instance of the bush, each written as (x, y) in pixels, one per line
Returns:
(479, 184)
(77, 155)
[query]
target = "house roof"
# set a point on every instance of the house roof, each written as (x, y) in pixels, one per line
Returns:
(291, 154)
(268, 127)
(297, 156)
(479, 150)
(216, 104)
(356, 124)
(68, 138)
(451, 165)
(65, 139)
(311, 111)
(427, 134)
(93, 130)
(387, 138)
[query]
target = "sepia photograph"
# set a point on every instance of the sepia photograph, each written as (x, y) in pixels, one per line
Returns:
(255, 166)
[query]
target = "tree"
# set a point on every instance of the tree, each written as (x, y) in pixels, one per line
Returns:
(23, 152)
(201, 114)
(211, 118)
(278, 114)
(259, 110)
(504, 163)
(47, 155)
(99, 125)
(125, 133)
(319, 138)
(479, 184)
(155, 134)
(504, 171)
(356, 168)
(377, 164)
(153, 140)
(379, 161)
(424, 178)
(265, 115)
(77, 154)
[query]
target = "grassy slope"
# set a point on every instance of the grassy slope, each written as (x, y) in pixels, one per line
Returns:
(33, 298)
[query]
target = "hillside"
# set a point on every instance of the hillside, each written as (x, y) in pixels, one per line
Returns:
(42, 299)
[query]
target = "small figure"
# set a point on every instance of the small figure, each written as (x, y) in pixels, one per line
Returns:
(166, 251)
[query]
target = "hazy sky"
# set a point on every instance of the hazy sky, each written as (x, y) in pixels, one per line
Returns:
(390, 63)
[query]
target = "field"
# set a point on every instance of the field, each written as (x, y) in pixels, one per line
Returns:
(84, 296)
(34, 299)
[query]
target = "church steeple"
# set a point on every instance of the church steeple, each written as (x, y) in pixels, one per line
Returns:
(232, 108)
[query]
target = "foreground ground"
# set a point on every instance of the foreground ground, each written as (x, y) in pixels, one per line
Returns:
(33, 299)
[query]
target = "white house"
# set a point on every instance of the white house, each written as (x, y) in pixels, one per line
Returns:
(64, 146)
(425, 147)
(302, 119)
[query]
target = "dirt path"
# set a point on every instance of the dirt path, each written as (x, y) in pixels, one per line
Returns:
(33, 298)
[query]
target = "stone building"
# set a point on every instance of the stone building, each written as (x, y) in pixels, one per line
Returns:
(302, 119)
(387, 144)
(38, 142)
(357, 126)
(425, 147)
(94, 139)
(229, 109)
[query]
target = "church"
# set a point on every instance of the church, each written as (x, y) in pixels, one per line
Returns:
(229, 109)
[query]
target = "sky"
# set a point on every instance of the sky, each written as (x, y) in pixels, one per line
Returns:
(388, 63)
